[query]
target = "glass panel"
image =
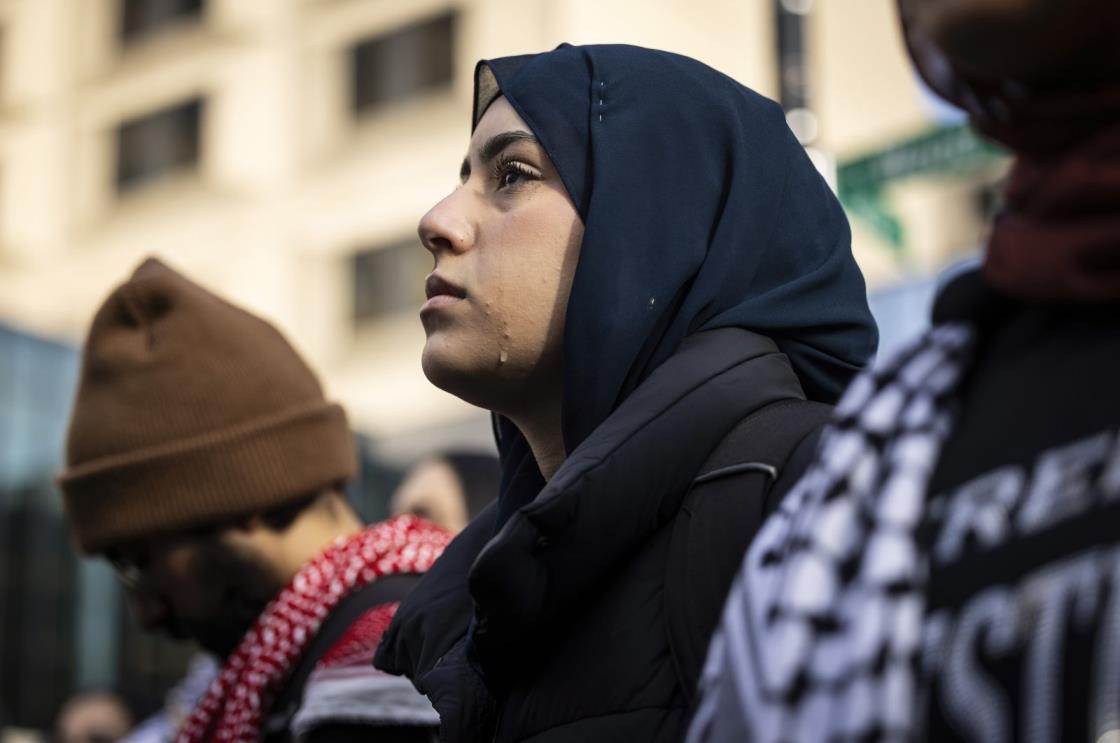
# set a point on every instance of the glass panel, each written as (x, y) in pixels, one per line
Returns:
(163, 142)
(389, 280)
(140, 18)
(416, 59)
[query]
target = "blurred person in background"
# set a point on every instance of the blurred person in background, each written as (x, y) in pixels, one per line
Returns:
(448, 489)
(178, 703)
(204, 462)
(651, 287)
(93, 716)
(949, 566)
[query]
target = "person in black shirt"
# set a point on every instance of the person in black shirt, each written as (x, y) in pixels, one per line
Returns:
(949, 566)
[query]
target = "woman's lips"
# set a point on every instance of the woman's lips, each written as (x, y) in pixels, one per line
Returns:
(438, 301)
(441, 293)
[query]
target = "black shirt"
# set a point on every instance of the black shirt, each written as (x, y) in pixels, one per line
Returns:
(1021, 638)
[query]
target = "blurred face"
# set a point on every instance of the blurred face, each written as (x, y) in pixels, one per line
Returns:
(95, 717)
(198, 586)
(506, 243)
(1025, 40)
(432, 491)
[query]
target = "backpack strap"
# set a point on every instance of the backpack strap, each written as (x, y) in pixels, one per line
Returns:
(742, 481)
(386, 590)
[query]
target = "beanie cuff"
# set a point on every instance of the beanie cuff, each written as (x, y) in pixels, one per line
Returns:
(251, 468)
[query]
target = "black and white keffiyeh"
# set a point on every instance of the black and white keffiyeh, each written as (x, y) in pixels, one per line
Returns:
(820, 635)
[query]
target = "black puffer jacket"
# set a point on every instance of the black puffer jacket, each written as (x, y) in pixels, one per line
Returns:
(571, 636)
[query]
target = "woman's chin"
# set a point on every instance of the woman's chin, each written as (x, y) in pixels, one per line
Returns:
(455, 372)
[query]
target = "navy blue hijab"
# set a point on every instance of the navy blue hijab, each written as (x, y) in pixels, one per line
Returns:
(700, 210)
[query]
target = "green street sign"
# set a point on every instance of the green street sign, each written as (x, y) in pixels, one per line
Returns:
(861, 182)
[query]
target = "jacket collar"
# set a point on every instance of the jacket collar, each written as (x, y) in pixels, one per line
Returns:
(623, 483)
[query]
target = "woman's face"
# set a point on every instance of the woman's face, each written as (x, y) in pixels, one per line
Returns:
(506, 242)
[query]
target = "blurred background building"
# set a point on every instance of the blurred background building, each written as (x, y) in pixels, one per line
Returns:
(282, 151)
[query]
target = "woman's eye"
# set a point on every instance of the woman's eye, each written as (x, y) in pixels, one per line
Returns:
(510, 178)
(513, 174)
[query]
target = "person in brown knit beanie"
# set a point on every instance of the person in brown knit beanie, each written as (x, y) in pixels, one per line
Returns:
(205, 463)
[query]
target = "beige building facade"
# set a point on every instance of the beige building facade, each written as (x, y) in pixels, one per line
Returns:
(282, 151)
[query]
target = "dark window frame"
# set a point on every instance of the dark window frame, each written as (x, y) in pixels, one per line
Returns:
(162, 142)
(407, 62)
(138, 20)
(387, 280)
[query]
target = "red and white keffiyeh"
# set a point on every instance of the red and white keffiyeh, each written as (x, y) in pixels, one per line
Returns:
(234, 707)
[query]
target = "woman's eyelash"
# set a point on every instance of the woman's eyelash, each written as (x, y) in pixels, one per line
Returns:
(505, 165)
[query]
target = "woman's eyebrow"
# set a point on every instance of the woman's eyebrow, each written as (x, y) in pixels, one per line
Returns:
(499, 142)
(493, 148)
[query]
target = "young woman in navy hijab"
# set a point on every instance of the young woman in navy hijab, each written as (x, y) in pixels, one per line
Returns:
(639, 269)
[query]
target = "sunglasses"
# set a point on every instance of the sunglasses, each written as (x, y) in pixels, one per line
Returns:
(130, 574)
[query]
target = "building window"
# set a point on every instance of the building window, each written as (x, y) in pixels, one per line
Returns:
(395, 66)
(141, 18)
(389, 280)
(160, 143)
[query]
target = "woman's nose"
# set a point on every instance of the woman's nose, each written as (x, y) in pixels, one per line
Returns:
(446, 226)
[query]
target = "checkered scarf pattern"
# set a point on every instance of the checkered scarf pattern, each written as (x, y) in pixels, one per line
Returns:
(820, 634)
(237, 701)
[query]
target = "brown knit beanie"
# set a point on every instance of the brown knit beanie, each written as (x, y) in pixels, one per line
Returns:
(191, 412)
